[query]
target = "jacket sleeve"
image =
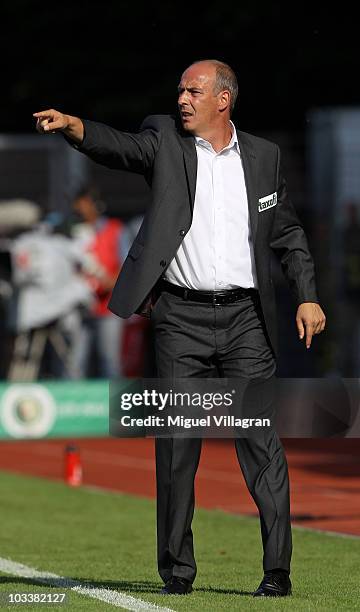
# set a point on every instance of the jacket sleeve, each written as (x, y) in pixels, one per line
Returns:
(290, 245)
(121, 150)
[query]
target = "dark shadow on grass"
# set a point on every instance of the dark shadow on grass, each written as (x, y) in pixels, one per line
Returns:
(222, 591)
(136, 586)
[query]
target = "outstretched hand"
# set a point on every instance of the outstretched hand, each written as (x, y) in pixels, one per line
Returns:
(50, 121)
(310, 320)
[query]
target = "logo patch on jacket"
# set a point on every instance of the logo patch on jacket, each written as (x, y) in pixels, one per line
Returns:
(267, 202)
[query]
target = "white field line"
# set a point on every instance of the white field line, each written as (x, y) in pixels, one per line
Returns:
(114, 598)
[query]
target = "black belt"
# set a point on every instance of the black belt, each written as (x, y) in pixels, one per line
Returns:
(227, 296)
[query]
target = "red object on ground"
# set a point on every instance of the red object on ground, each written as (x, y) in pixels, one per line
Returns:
(73, 467)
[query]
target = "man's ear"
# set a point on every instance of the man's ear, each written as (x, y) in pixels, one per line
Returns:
(224, 100)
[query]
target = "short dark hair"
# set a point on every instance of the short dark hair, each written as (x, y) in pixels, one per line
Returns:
(225, 79)
(91, 192)
(87, 191)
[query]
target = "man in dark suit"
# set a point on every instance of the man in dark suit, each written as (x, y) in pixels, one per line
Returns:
(219, 208)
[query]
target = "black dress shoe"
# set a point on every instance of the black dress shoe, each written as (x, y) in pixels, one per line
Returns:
(176, 586)
(274, 584)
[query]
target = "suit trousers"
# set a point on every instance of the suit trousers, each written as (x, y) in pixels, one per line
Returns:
(194, 339)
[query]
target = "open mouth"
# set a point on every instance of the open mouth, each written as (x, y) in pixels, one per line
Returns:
(186, 115)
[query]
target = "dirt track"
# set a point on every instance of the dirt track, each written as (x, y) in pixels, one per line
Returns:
(325, 474)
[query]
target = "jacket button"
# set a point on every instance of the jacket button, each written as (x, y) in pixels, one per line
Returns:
(163, 263)
(182, 232)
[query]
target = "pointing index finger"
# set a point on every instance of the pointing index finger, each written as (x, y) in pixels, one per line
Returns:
(309, 334)
(45, 113)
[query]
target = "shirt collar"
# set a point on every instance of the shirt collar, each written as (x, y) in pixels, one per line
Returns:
(232, 144)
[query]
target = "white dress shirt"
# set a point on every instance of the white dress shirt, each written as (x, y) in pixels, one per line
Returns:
(217, 252)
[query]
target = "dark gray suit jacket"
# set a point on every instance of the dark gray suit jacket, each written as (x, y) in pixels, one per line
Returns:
(166, 156)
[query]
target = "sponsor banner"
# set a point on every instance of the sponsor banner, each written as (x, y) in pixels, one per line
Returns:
(187, 407)
(54, 409)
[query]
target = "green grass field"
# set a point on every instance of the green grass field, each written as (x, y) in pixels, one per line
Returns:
(107, 540)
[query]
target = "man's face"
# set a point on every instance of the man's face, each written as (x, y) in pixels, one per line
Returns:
(198, 105)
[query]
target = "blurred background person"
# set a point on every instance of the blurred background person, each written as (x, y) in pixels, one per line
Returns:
(48, 296)
(16, 215)
(102, 240)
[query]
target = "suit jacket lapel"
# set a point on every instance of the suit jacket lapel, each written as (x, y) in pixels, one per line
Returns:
(190, 161)
(250, 166)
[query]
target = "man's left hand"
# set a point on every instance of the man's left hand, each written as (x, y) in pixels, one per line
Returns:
(310, 320)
